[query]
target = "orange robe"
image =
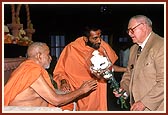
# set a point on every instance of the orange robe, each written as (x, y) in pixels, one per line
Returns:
(73, 66)
(22, 78)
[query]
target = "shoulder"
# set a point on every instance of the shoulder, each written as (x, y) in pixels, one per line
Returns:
(157, 41)
(78, 41)
(157, 38)
(106, 45)
(30, 66)
(133, 47)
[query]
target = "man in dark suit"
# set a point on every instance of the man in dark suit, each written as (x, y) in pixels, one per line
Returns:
(144, 80)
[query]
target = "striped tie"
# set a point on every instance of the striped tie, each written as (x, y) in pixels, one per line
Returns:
(139, 51)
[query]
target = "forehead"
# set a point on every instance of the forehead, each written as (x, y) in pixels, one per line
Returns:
(132, 23)
(93, 33)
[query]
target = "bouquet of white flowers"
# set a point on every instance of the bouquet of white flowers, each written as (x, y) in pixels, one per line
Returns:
(101, 66)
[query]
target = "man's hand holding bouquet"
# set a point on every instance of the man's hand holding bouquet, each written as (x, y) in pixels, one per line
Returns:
(102, 68)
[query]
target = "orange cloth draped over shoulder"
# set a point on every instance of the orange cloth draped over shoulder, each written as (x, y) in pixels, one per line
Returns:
(73, 66)
(22, 78)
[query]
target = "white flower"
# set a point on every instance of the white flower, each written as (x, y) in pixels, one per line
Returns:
(98, 61)
(107, 76)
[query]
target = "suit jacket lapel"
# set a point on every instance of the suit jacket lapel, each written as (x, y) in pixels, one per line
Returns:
(143, 55)
(140, 62)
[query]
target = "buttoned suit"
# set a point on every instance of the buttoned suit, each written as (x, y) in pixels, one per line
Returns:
(144, 80)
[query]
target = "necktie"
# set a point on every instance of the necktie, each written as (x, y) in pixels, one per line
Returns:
(139, 51)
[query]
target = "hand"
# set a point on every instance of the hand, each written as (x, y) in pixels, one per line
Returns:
(117, 93)
(89, 85)
(65, 86)
(99, 74)
(138, 106)
(96, 74)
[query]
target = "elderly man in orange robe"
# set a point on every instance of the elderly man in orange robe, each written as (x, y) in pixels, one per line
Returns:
(30, 85)
(72, 69)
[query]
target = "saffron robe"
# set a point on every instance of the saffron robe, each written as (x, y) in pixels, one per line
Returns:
(73, 66)
(22, 77)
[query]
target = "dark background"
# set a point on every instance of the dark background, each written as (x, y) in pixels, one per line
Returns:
(69, 19)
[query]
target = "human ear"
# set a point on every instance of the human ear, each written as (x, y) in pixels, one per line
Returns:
(38, 56)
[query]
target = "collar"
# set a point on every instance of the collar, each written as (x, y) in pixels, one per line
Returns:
(143, 44)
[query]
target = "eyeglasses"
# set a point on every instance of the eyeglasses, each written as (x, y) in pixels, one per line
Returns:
(132, 29)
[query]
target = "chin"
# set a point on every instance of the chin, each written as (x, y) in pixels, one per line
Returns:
(47, 67)
(96, 47)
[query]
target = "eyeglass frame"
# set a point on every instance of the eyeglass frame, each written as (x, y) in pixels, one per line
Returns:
(132, 29)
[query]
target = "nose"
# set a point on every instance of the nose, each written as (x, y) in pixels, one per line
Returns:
(50, 58)
(130, 33)
(99, 40)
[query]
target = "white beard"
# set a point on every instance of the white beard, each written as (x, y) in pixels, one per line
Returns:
(47, 67)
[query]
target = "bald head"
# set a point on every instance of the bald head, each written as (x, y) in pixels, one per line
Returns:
(139, 28)
(35, 48)
(142, 19)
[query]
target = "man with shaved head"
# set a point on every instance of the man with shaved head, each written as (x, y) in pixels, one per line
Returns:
(30, 84)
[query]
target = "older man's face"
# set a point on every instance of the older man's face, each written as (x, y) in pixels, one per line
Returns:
(136, 31)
